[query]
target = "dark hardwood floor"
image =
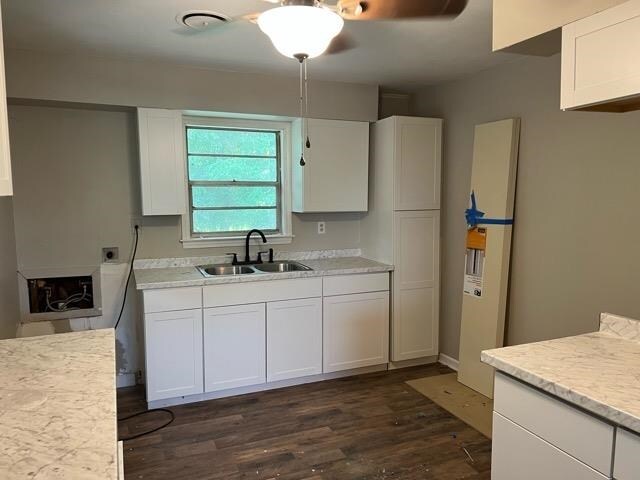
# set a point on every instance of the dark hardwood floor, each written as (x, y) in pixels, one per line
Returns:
(366, 427)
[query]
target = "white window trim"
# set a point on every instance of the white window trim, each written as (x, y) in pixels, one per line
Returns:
(286, 235)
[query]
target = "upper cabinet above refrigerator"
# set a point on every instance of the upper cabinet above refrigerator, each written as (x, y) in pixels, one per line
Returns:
(335, 175)
(6, 188)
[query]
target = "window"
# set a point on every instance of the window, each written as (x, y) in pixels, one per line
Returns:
(235, 179)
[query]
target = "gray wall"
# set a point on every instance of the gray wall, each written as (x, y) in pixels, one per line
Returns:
(8, 285)
(576, 224)
(97, 80)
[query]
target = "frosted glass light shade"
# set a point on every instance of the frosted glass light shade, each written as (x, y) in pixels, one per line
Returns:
(300, 30)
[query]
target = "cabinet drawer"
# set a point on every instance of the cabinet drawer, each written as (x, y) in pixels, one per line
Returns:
(347, 284)
(170, 299)
(571, 430)
(627, 462)
(518, 453)
(259, 292)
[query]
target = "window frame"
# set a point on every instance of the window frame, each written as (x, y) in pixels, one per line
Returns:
(283, 128)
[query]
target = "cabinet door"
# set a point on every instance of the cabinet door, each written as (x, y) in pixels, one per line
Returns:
(335, 177)
(418, 161)
(234, 346)
(627, 455)
(416, 281)
(173, 342)
(601, 60)
(294, 339)
(356, 331)
(162, 161)
(6, 188)
(518, 453)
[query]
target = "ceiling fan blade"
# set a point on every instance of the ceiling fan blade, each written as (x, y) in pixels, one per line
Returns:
(341, 43)
(398, 9)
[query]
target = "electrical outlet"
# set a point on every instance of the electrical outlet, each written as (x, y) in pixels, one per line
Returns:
(110, 254)
(322, 229)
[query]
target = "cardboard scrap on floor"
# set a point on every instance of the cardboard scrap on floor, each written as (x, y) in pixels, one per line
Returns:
(461, 401)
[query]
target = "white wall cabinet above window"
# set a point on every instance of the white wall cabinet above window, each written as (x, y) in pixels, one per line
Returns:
(162, 174)
(601, 61)
(335, 177)
(6, 188)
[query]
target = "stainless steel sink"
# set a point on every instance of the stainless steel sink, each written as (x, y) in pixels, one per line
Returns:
(281, 267)
(275, 267)
(213, 270)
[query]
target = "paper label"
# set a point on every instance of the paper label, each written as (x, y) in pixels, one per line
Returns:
(474, 262)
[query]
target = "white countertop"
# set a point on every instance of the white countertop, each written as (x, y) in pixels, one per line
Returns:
(58, 407)
(599, 372)
(186, 276)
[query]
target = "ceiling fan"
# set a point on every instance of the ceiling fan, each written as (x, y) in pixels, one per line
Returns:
(304, 29)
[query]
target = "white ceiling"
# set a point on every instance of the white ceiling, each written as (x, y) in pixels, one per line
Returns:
(398, 54)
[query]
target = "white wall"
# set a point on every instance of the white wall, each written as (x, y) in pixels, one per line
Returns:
(576, 228)
(8, 280)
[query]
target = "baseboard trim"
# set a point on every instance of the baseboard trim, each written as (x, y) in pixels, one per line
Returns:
(450, 362)
(169, 402)
(125, 380)
(413, 363)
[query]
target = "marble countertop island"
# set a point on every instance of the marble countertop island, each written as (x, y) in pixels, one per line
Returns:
(58, 407)
(599, 372)
(172, 273)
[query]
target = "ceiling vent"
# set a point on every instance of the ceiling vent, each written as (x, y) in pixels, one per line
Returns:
(201, 19)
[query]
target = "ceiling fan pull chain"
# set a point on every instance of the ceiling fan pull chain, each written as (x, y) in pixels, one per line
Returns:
(306, 102)
(302, 119)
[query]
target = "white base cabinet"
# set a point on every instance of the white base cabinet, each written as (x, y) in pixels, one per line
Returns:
(356, 331)
(294, 339)
(202, 343)
(173, 354)
(536, 435)
(518, 453)
(234, 347)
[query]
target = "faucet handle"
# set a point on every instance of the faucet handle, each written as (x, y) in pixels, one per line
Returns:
(260, 255)
(235, 258)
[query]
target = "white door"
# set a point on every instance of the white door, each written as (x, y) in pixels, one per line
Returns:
(518, 453)
(356, 331)
(416, 282)
(173, 342)
(418, 153)
(294, 339)
(234, 346)
(6, 187)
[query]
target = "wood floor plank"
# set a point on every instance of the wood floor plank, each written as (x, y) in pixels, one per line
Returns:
(368, 427)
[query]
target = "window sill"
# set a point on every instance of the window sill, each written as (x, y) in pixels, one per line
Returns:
(233, 241)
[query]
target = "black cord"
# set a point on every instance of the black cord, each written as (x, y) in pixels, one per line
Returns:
(138, 435)
(126, 287)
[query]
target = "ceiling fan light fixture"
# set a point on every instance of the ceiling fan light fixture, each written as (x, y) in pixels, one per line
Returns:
(299, 30)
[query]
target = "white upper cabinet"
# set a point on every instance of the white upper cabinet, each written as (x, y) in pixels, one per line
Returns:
(335, 177)
(418, 154)
(6, 188)
(601, 60)
(162, 161)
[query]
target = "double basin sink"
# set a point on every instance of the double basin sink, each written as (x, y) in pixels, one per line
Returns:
(275, 267)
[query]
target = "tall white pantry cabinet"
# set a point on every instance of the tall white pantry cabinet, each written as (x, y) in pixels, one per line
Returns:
(403, 227)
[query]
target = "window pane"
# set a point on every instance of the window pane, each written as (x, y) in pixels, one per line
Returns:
(205, 221)
(225, 169)
(231, 142)
(204, 197)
